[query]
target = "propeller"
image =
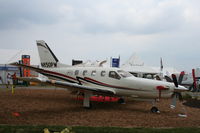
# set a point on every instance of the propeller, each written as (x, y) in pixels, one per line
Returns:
(175, 80)
(176, 95)
(180, 79)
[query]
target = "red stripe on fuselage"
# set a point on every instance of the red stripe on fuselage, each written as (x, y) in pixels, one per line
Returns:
(59, 74)
(107, 85)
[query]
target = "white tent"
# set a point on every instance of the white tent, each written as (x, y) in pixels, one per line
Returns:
(9, 55)
(136, 65)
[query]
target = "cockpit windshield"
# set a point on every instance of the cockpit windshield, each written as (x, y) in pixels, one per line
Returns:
(124, 74)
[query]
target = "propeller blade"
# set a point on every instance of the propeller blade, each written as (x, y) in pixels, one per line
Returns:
(173, 104)
(168, 78)
(175, 80)
(180, 79)
(176, 96)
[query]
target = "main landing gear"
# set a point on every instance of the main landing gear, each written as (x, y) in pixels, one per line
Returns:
(121, 101)
(86, 100)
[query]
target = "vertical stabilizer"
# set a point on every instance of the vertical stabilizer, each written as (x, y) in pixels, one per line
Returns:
(47, 57)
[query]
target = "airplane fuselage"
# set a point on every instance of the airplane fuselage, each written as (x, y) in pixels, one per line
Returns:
(123, 83)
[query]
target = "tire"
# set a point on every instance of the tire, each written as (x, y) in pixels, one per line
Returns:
(121, 101)
(154, 110)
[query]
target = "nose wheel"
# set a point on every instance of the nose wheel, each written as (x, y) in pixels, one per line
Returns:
(155, 110)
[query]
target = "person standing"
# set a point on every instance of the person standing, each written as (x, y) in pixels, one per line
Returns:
(1, 80)
(14, 79)
(9, 80)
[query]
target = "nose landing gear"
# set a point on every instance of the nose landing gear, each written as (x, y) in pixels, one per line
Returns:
(155, 110)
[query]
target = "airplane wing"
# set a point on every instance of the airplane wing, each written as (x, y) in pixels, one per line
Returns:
(70, 86)
(62, 84)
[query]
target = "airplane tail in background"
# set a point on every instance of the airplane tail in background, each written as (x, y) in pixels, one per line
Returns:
(47, 57)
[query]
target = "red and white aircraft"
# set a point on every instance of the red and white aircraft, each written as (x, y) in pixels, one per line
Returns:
(99, 80)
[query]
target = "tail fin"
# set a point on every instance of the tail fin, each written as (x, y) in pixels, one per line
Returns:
(47, 57)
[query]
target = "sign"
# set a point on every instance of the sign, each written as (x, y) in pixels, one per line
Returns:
(115, 62)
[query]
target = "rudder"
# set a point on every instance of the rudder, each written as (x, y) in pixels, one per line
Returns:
(47, 57)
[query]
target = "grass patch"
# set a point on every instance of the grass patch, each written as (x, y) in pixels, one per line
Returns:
(39, 129)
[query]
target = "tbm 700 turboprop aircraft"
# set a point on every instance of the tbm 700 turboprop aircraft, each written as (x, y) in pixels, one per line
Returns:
(100, 80)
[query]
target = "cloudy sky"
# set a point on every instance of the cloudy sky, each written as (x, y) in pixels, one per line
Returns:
(99, 29)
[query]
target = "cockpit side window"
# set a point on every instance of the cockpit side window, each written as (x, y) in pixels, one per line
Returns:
(113, 74)
(124, 74)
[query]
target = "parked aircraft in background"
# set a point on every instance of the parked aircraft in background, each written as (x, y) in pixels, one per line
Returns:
(136, 66)
(189, 80)
(100, 80)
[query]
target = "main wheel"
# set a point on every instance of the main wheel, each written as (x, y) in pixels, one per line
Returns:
(121, 101)
(155, 110)
(90, 107)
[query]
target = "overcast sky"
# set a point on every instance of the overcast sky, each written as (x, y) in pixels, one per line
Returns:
(99, 29)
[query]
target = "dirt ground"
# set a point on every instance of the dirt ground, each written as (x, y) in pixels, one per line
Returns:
(59, 107)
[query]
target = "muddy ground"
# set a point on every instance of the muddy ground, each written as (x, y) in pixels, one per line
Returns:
(59, 107)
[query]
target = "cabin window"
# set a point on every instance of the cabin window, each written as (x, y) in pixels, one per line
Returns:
(113, 74)
(93, 73)
(76, 72)
(103, 73)
(84, 72)
(70, 73)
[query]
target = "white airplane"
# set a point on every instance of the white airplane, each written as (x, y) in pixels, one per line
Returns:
(100, 81)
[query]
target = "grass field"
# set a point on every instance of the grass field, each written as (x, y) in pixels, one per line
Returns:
(39, 129)
(50, 107)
